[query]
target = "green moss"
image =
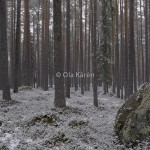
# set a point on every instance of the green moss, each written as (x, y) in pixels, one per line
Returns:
(123, 114)
(76, 123)
(57, 139)
(45, 119)
(133, 126)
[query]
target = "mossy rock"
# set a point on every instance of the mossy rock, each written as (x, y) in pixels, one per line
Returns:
(57, 140)
(130, 105)
(77, 123)
(132, 123)
(43, 119)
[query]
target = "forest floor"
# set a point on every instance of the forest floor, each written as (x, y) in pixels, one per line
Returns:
(31, 122)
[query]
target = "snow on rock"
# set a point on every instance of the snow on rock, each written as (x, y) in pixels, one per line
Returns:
(80, 126)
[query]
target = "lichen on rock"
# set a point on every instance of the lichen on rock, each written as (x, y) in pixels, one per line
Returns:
(132, 123)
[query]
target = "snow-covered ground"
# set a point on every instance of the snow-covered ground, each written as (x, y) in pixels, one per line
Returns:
(80, 126)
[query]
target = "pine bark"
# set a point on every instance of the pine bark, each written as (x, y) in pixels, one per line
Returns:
(4, 52)
(68, 81)
(12, 42)
(81, 48)
(45, 44)
(126, 51)
(17, 48)
(38, 46)
(27, 48)
(58, 55)
(94, 48)
(131, 47)
(117, 62)
(146, 43)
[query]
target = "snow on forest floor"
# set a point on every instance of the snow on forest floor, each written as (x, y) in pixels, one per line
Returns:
(31, 122)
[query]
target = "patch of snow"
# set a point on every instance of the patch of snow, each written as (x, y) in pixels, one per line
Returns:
(13, 144)
(17, 131)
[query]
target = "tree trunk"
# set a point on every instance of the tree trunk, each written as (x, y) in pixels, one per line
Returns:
(81, 48)
(126, 50)
(27, 48)
(17, 49)
(117, 76)
(68, 50)
(94, 46)
(131, 46)
(58, 56)
(3, 51)
(146, 43)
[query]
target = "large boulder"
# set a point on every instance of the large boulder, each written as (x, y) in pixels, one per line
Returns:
(133, 118)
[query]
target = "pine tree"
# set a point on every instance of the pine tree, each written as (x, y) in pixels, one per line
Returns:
(81, 47)
(27, 48)
(146, 43)
(117, 62)
(94, 48)
(68, 50)
(17, 48)
(45, 44)
(58, 55)
(12, 41)
(131, 46)
(4, 52)
(126, 51)
(104, 54)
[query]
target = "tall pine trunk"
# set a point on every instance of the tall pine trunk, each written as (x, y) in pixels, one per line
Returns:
(27, 48)
(17, 49)
(146, 43)
(117, 62)
(81, 48)
(126, 51)
(4, 52)
(94, 48)
(58, 56)
(131, 46)
(68, 83)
